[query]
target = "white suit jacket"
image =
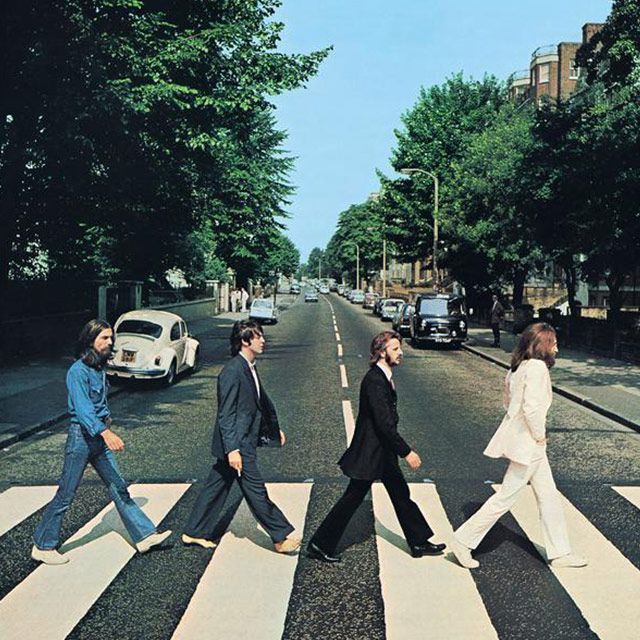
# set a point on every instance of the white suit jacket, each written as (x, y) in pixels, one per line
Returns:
(528, 396)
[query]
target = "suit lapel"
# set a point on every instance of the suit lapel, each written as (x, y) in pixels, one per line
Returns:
(247, 372)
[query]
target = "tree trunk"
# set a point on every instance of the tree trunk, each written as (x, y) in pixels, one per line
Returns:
(571, 279)
(519, 279)
(614, 282)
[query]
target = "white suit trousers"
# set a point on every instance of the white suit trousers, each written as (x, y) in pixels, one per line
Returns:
(538, 473)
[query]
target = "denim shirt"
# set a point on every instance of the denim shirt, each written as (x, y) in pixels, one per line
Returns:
(87, 400)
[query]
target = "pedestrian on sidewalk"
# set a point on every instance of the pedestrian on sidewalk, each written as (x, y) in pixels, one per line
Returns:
(497, 315)
(91, 439)
(244, 298)
(373, 455)
(246, 419)
(521, 438)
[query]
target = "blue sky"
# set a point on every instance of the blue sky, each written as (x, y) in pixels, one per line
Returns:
(341, 125)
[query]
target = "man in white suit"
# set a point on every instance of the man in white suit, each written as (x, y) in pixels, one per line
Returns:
(521, 438)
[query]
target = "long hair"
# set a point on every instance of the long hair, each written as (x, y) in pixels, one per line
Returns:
(243, 331)
(536, 342)
(84, 346)
(379, 344)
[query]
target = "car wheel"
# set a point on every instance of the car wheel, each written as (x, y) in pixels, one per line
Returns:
(170, 377)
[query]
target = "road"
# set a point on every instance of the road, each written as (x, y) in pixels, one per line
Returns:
(449, 405)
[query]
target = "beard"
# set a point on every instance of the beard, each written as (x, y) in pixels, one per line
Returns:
(97, 359)
(390, 362)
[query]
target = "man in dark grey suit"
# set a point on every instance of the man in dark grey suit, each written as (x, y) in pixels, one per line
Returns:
(246, 419)
(497, 314)
(373, 455)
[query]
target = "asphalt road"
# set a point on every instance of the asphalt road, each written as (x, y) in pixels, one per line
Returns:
(449, 404)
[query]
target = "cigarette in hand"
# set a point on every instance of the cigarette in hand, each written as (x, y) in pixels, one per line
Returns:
(239, 472)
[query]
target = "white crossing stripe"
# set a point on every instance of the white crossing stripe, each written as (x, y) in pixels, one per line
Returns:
(632, 494)
(53, 599)
(18, 503)
(245, 590)
(606, 591)
(339, 351)
(343, 377)
(337, 336)
(349, 422)
(428, 597)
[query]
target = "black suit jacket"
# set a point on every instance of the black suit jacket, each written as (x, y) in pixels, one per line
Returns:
(376, 441)
(497, 313)
(244, 420)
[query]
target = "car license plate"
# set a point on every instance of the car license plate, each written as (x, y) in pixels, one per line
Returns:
(443, 339)
(128, 356)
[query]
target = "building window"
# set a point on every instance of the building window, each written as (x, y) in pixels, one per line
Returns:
(543, 73)
(574, 70)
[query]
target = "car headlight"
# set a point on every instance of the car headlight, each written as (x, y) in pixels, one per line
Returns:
(423, 324)
(454, 333)
(462, 324)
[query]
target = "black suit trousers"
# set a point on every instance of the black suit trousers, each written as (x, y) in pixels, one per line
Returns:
(209, 504)
(415, 527)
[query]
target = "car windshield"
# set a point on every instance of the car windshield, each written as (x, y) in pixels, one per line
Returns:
(140, 327)
(440, 307)
(263, 303)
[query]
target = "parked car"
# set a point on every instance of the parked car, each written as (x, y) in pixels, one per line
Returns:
(402, 320)
(152, 344)
(439, 318)
(324, 288)
(294, 289)
(377, 306)
(369, 300)
(390, 307)
(340, 289)
(263, 310)
(356, 296)
(310, 295)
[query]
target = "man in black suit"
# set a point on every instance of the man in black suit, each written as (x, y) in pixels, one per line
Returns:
(497, 314)
(373, 455)
(246, 419)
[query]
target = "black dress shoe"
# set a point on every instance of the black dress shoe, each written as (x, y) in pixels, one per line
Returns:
(314, 551)
(427, 549)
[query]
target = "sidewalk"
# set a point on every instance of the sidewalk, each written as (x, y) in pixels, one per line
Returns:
(33, 396)
(610, 387)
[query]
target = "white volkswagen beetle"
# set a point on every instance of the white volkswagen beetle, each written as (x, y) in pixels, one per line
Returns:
(152, 344)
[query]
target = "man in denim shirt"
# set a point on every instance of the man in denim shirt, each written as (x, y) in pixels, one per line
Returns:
(91, 440)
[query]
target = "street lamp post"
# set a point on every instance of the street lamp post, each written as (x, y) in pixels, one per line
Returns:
(411, 171)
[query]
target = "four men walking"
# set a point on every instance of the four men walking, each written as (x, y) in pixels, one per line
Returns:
(246, 419)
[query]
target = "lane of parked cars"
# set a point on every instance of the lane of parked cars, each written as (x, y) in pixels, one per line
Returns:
(432, 318)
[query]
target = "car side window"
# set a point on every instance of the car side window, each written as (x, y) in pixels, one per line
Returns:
(183, 329)
(175, 332)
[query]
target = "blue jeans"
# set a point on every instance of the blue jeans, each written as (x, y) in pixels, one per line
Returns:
(81, 449)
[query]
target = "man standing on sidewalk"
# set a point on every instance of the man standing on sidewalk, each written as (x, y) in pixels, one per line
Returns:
(246, 419)
(91, 440)
(497, 314)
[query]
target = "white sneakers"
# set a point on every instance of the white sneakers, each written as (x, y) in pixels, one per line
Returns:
(48, 556)
(151, 541)
(462, 554)
(569, 560)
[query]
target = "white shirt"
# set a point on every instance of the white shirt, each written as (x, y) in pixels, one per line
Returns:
(387, 372)
(252, 368)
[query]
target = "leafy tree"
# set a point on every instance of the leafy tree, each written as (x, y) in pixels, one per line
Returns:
(360, 225)
(490, 234)
(437, 130)
(315, 263)
(147, 125)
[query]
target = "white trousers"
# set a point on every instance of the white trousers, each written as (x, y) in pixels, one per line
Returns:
(538, 473)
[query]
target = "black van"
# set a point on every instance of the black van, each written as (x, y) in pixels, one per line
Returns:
(439, 318)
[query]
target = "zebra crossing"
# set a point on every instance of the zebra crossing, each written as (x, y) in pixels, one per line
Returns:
(246, 586)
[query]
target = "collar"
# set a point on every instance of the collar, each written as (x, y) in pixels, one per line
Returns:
(251, 364)
(387, 372)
